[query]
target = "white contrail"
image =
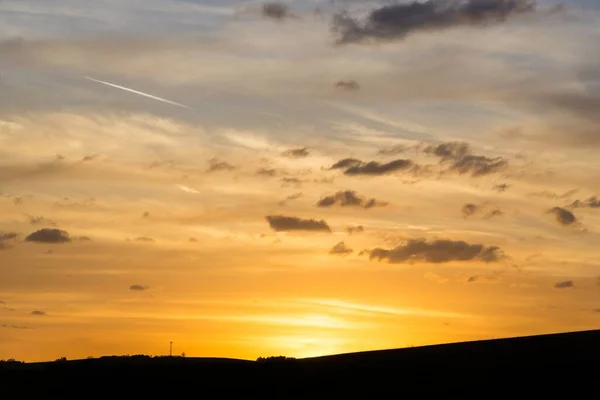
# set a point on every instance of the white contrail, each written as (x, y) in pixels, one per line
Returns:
(140, 93)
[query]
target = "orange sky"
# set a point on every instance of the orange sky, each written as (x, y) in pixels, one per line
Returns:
(126, 222)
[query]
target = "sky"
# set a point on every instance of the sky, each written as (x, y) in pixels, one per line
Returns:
(319, 177)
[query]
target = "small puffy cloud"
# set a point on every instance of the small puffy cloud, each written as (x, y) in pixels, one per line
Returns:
(472, 279)
(193, 240)
(48, 235)
(350, 86)
(397, 21)
(138, 288)
(215, 164)
(563, 216)
(592, 202)
(6, 239)
(299, 152)
(349, 198)
(340, 249)
(354, 229)
(38, 313)
(346, 163)
(84, 238)
(564, 285)
(276, 10)
(437, 251)
(282, 223)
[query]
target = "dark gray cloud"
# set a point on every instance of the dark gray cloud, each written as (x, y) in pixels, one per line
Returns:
(350, 86)
(6, 239)
(397, 21)
(281, 223)
(564, 285)
(592, 202)
(563, 216)
(349, 198)
(49, 235)
(215, 164)
(340, 249)
(355, 167)
(38, 313)
(299, 152)
(437, 251)
(138, 288)
(457, 156)
(355, 229)
(276, 10)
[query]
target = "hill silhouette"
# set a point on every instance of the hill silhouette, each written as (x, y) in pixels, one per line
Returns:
(534, 366)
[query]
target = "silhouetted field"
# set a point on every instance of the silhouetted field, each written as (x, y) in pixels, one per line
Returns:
(564, 365)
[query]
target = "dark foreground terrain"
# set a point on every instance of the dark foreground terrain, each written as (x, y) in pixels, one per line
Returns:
(560, 365)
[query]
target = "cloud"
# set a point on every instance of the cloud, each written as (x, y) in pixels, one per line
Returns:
(300, 152)
(291, 197)
(138, 288)
(6, 238)
(275, 10)
(564, 285)
(84, 238)
(349, 198)
(144, 239)
(346, 163)
(215, 164)
(193, 240)
(469, 209)
(501, 187)
(48, 235)
(340, 249)
(393, 151)
(270, 172)
(563, 216)
(437, 251)
(458, 157)
(350, 86)
(40, 220)
(553, 195)
(472, 279)
(38, 313)
(592, 202)
(187, 189)
(354, 166)
(397, 21)
(355, 229)
(291, 182)
(281, 223)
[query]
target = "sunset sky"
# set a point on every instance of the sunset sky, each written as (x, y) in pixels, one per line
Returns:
(326, 176)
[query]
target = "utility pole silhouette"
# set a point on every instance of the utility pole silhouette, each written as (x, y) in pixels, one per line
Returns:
(170, 349)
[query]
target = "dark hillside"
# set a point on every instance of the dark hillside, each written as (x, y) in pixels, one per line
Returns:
(536, 366)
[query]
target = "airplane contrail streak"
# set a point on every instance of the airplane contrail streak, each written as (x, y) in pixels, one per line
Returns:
(140, 93)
